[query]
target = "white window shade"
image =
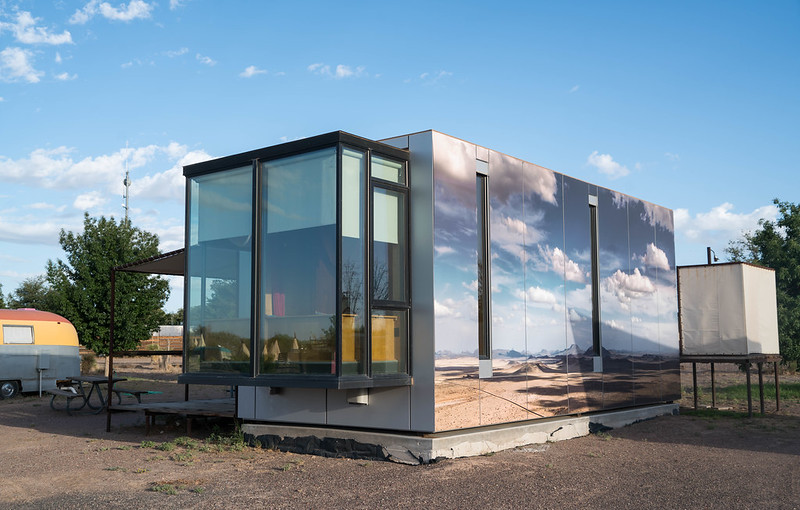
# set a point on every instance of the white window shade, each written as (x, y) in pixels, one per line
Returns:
(17, 334)
(385, 225)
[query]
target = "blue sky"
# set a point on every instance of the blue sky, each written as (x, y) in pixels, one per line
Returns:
(691, 105)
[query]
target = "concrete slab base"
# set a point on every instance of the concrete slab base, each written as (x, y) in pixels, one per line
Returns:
(424, 448)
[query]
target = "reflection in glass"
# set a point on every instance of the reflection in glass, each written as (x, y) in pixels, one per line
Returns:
(389, 341)
(668, 306)
(484, 320)
(219, 272)
(354, 359)
(388, 248)
(298, 264)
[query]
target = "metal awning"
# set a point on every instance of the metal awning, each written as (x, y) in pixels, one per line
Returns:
(170, 263)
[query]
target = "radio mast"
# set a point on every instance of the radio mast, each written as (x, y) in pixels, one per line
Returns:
(126, 183)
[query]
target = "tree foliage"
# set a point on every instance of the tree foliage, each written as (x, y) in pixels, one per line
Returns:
(34, 292)
(83, 283)
(2, 300)
(777, 245)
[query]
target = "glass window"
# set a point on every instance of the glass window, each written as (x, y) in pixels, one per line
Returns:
(484, 319)
(389, 342)
(17, 334)
(354, 359)
(388, 170)
(219, 272)
(388, 216)
(298, 265)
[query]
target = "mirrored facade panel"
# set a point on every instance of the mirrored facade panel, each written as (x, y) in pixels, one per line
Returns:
(545, 302)
(455, 284)
(666, 276)
(646, 258)
(298, 265)
(585, 385)
(616, 284)
(219, 272)
(504, 395)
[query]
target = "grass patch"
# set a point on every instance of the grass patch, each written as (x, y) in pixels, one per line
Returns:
(147, 444)
(739, 391)
(172, 487)
(124, 447)
(233, 441)
(186, 442)
(166, 447)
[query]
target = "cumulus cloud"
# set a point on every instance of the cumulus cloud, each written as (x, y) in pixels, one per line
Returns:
(66, 76)
(445, 309)
(721, 221)
(16, 65)
(90, 200)
(26, 31)
(539, 295)
(508, 233)
(206, 60)
(174, 4)
(176, 53)
(136, 9)
(606, 165)
(628, 286)
(435, 77)
(560, 263)
(251, 71)
(443, 250)
(169, 184)
(653, 257)
(657, 215)
(338, 72)
(541, 181)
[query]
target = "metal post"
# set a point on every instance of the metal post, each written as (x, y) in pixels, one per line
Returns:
(761, 385)
(708, 252)
(694, 384)
(110, 358)
(713, 389)
(749, 390)
(777, 388)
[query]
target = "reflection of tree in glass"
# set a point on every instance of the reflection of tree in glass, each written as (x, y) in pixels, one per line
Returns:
(222, 303)
(352, 288)
(380, 281)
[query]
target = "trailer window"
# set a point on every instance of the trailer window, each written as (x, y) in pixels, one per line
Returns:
(17, 334)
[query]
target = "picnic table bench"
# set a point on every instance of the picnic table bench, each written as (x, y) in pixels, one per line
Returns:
(134, 393)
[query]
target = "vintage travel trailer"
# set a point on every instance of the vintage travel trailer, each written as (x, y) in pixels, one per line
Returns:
(423, 284)
(36, 349)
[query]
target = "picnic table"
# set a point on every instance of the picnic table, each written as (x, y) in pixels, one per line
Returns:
(75, 388)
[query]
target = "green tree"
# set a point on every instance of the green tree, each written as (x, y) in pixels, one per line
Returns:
(171, 318)
(2, 300)
(776, 244)
(34, 292)
(83, 283)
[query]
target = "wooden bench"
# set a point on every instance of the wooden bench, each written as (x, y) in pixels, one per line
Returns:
(134, 393)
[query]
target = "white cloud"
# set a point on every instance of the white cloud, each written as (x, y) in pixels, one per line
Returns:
(31, 232)
(605, 164)
(176, 53)
(574, 89)
(174, 4)
(560, 263)
(443, 250)
(168, 185)
(435, 77)
(657, 215)
(136, 9)
(720, 221)
(1, 99)
(509, 234)
(26, 31)
(16, 65)
(66, 76)
(541, 181)
(58, 58)
(539, 295)
(654, 257)
(445, 309)
(206, 60)
(90, 200)
(339, 72)
(251, 71)
(628, 286)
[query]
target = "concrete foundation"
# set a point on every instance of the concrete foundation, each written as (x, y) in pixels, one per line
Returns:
(425, 448)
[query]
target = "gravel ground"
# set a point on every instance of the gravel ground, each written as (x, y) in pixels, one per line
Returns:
(721, 460)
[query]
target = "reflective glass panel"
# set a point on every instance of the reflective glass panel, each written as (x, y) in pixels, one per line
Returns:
(388, 170)
(219, 272)
(354, 357)
(389, 342)
(298, 264)
(389, 232)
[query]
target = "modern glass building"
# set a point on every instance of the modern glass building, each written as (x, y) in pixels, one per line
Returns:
(423, 283)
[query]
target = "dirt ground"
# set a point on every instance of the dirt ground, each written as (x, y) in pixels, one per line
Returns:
(706, 460)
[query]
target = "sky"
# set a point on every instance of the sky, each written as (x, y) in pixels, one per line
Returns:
(690, 105)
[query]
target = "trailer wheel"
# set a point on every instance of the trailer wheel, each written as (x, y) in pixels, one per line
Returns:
(8, 389)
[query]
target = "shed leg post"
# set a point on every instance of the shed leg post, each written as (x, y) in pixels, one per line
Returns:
(761, 385)
(777, 388)
(694, 384)
(713, 389)
(749, 390)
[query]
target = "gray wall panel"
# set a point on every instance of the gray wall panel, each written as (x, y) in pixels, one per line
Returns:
(298, 405)
(246, 402)
(388, 408)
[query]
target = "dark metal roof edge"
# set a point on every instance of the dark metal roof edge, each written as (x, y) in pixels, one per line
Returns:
(289, 148)
(154, 258)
